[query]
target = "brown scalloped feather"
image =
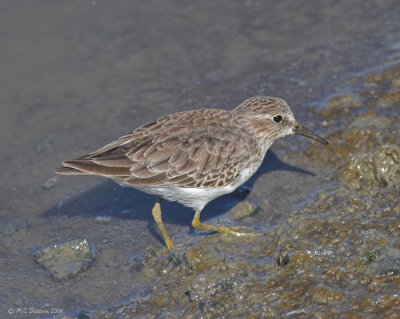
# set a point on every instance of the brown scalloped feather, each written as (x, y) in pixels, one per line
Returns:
(188, 149)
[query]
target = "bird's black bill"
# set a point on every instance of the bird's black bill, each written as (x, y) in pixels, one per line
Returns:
(301, 130)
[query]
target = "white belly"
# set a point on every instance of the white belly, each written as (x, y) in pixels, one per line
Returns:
(195, 197)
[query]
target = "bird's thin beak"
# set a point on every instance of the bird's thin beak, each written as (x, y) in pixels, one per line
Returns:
(301, 130)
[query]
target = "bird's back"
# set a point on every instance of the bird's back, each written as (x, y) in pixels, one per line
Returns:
(200, 148)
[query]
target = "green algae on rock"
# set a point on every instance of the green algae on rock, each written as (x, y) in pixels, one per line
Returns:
(66, 260)
(360, 119)
(379, 168)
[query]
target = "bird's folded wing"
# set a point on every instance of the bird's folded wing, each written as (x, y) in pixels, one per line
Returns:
(196, 159)
(199, 160)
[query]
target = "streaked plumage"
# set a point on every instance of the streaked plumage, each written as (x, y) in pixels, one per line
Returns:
(195, 156)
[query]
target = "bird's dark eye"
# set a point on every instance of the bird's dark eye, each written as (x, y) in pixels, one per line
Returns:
(277, 118)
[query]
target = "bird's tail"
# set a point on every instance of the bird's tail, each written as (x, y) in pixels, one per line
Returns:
(70, 171)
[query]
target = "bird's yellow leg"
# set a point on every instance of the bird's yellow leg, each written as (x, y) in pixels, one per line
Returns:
(219, 229)
(157, 217)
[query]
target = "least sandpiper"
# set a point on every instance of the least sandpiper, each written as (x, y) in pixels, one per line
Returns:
(193, 157)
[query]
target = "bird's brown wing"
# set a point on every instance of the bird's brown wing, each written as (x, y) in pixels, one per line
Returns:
(202, 156)
(186, 161)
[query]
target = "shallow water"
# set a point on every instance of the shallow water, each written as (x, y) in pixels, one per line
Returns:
(78, 74)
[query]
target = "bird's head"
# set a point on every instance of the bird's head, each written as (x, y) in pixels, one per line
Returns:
(270, 118)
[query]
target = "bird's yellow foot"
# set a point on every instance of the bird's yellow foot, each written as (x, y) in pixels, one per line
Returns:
(220, 229)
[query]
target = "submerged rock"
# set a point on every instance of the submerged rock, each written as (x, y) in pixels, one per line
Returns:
(180, 260)
(242, 210)
(140, 260)
(50, 182)
(10, 225)
(66, 260)
(204, 287)
(339, 104)
(386, 261)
